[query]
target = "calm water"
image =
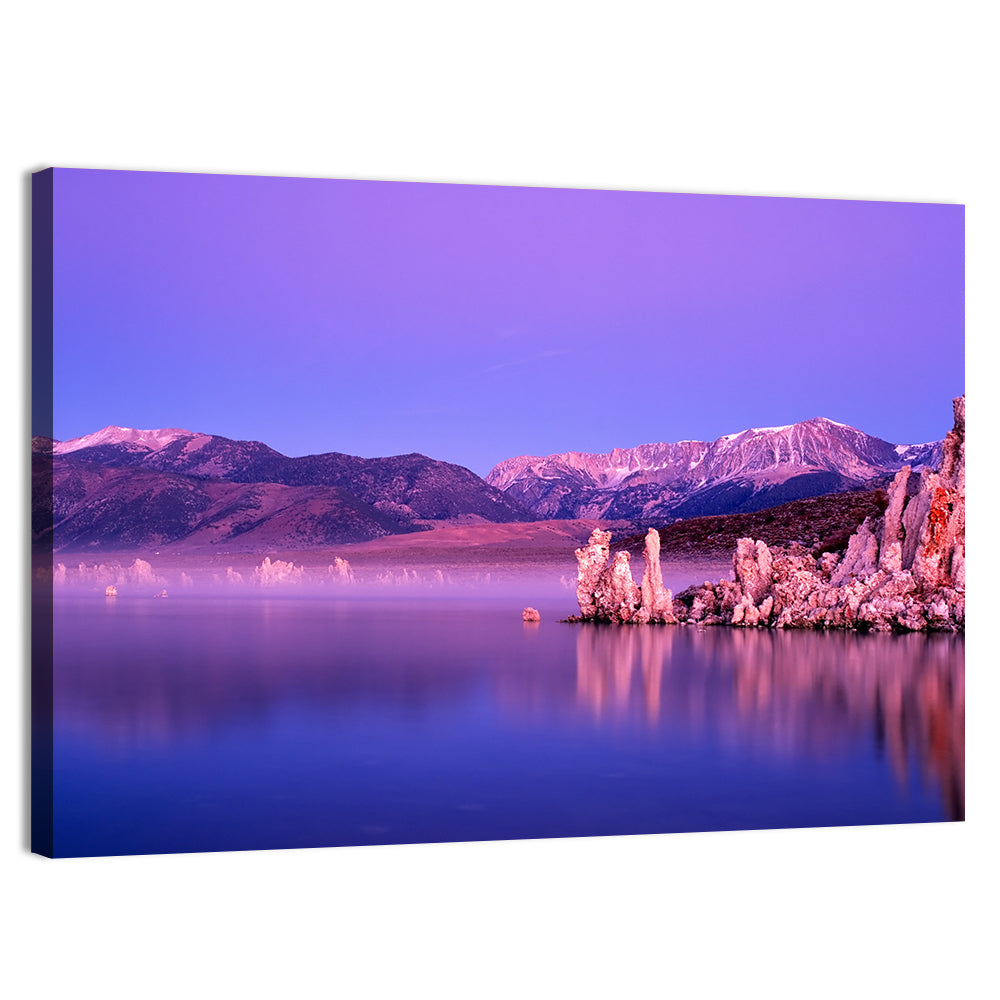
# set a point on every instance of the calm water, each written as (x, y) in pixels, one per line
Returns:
(214, 724)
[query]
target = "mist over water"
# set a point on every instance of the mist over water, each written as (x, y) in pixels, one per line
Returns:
(237, 717)
(510, 574)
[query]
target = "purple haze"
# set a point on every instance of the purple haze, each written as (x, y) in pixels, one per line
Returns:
(475, 323)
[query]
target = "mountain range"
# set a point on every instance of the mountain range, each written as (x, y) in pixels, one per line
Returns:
(737, 473)
(122, 488)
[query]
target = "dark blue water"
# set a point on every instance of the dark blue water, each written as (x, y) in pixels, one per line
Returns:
(213, 724)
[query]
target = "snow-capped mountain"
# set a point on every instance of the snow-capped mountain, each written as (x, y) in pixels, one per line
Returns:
(128, 437)
(124, 487)
(407, 487)
(121, 487)
(740, 472)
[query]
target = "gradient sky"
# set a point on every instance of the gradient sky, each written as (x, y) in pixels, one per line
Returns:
(474, 323)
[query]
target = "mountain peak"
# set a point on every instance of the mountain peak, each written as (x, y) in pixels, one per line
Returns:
(812, 423)
(151, 440)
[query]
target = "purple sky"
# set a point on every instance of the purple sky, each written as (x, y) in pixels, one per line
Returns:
(476, 323)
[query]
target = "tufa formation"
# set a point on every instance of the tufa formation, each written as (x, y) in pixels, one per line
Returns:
(903, 571)
(609, 594)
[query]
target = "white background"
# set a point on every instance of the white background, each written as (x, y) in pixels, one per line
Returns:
(861, 100)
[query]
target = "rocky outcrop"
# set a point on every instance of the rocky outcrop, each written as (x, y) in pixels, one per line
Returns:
(608, 593)
(753, 568)
(530, 615)
(106, 576)
(592, 562)
(272, 574)
(340, 571)
(657, 602)
(903, 570)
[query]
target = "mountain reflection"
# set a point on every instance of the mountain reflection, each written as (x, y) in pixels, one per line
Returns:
(789, 691)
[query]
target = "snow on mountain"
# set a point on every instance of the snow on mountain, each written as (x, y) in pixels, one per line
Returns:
(372, 496)
(152, 440)
(650, 484)
(746, 470)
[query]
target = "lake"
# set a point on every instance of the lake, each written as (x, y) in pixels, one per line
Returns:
(212, 723)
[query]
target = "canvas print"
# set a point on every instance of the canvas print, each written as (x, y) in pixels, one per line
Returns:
(374, 513)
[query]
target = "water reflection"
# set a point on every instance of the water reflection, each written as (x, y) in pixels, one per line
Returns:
(151, 672)
(772, 723)
(792, 691)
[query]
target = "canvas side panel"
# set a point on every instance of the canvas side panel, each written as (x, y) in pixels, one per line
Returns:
(41, 511)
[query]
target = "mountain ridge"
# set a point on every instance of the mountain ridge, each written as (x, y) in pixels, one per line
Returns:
(738, 472)
(98, 507)
(409, 488)
(168, 486)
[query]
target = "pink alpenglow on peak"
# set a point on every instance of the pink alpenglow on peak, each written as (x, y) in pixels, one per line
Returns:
(153, 440)
(760, 467)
